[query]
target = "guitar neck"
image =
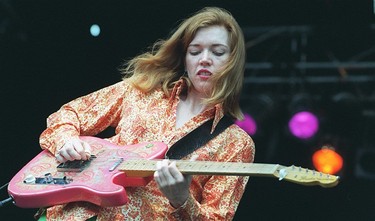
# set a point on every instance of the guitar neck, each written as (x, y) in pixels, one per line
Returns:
(147, 168)
(144, 168)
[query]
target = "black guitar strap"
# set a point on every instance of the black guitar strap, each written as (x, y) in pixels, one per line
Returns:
(197, 138)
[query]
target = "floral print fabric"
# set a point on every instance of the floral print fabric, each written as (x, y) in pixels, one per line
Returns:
(139, 117)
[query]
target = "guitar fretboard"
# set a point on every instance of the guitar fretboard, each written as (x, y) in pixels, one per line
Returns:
(147, 167)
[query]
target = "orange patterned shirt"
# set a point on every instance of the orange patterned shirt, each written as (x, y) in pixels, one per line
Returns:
(139, 117)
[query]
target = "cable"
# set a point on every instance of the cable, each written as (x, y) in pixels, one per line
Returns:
(3, 202)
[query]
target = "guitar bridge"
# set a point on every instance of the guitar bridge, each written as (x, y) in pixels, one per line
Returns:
(75, 165)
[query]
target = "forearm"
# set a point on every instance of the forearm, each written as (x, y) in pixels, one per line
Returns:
(86, 115)
(61, 125)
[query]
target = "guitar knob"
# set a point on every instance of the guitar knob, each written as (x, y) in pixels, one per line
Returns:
(30, 179)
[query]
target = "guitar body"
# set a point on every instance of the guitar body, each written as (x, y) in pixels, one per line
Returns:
(40, 184)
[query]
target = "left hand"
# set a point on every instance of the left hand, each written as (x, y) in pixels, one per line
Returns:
(172, 183)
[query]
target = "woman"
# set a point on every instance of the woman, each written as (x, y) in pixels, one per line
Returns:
(192, 77)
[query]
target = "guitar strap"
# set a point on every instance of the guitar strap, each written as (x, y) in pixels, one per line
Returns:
(197, 138)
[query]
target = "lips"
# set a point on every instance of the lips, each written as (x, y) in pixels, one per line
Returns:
(204, 73)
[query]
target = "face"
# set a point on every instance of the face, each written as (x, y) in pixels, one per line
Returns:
(206, 55)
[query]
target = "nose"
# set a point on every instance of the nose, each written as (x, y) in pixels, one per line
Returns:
(205, 59)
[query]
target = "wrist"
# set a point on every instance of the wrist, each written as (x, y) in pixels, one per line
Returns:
(178, 203)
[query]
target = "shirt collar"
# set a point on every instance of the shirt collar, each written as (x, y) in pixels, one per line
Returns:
(215, 112)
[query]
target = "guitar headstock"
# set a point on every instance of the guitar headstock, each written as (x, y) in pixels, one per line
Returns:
(306, 176)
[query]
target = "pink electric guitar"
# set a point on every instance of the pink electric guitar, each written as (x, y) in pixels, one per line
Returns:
(102, 179)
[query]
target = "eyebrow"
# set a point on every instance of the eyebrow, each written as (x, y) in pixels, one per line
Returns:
(213, 45)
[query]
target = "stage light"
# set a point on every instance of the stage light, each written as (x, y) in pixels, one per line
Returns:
(327, 160)
(248, 124)
(258, 110)
(95, 30)
(303, 124)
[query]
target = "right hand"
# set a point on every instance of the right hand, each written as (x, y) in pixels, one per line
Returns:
(74, 149)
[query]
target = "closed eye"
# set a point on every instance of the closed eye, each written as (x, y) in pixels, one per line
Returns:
(218, 53)
(194, 52)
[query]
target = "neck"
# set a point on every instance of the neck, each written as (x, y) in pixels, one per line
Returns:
(189, 106)
(193, 102)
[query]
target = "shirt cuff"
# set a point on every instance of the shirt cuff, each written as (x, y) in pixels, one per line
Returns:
(54, 141)
(186, 210)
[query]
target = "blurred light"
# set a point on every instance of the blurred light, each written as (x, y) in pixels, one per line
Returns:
(248, 124)
(95, 30)
(303, 125)
(258, 110)
(327, 160)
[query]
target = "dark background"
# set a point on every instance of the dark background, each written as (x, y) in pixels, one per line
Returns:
(48, 57)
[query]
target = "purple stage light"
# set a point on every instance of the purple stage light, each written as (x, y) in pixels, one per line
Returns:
(303, 125)
(248, 124)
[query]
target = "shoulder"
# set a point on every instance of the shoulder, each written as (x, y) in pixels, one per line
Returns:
(122, 88)
(130, 87)
(239, 142)
(117, 87)
(238, 133)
